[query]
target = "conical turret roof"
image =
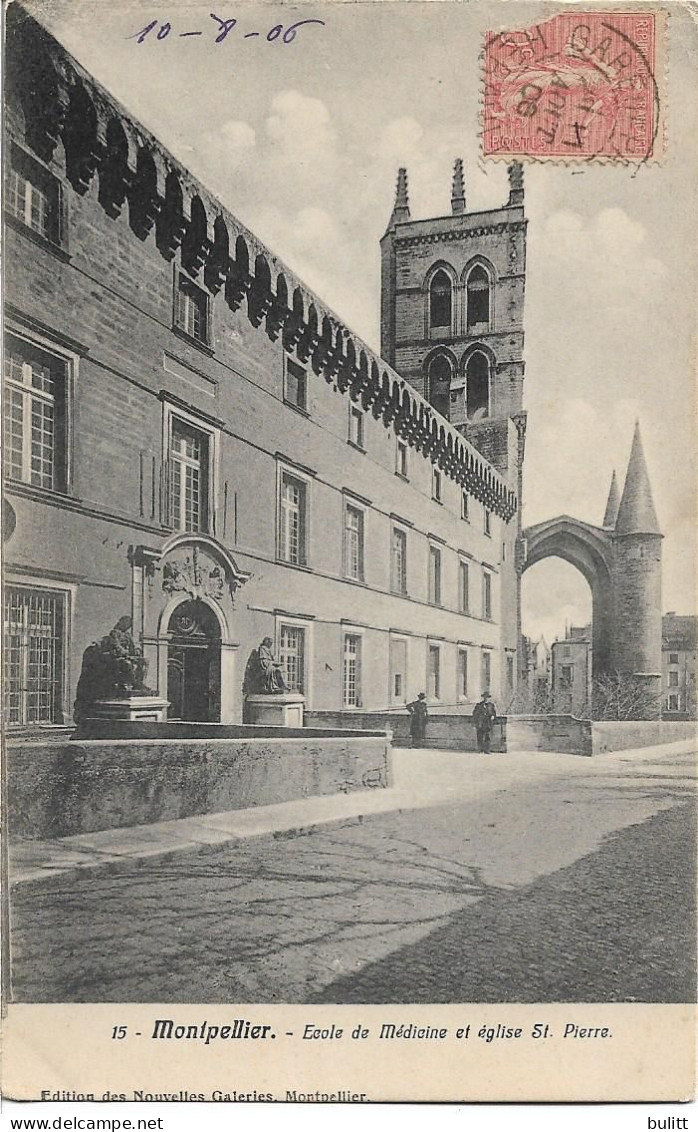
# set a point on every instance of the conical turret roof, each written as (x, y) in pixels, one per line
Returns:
(611, 513)
(636, 513)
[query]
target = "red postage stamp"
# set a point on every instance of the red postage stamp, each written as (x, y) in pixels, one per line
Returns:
(581, 85)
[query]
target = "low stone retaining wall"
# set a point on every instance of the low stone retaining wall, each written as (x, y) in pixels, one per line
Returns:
(569, 735)
(608, 735)
(89, 785)
(452, 732)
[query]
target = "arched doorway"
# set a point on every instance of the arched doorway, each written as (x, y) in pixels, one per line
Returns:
(194, 663)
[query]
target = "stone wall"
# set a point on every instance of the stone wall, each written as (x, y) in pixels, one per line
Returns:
(610, 735)
(453, 732)
(561, 733)
(568, 735)
(80, 787)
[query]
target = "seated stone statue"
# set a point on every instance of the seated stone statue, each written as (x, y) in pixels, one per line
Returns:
(113, 668)
(270, 670)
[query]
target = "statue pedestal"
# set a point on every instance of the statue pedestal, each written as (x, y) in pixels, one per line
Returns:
(131, 707)
(284, 710)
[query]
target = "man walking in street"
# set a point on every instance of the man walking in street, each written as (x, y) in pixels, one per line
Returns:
(418, 719)
(484, 714)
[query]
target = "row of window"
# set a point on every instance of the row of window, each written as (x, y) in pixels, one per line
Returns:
(36, 422)
(293, 654)
(478, 293)
(468, 398)
(35, 645)
(293, 547)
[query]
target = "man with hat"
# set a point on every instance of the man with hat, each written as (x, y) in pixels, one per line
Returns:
(484, 714)
(418, 719)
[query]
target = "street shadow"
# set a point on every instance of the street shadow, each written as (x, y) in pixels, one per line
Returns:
(616, 926)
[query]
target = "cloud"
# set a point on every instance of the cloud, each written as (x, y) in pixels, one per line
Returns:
(300, 127)
(238, 135)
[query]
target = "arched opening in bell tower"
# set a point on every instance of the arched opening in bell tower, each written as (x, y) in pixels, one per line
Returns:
(477, 386)
(439, 374)
(440, 301)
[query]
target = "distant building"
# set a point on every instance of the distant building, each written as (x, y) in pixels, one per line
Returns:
(678, 665)
(571, 670)
(536, 657)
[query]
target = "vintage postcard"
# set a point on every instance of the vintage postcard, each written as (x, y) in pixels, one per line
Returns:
(349, 551)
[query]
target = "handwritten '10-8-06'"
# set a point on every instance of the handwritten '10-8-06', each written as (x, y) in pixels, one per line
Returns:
(286, 35)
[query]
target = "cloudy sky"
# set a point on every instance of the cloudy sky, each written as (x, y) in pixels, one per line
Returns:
(302, 142)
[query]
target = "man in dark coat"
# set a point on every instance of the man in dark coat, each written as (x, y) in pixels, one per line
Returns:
(418, 719)
(484, 714)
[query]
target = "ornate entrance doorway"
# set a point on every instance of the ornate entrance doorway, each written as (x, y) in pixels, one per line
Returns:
(194, 663)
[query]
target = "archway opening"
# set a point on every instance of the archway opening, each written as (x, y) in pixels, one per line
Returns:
(477, 386)
(440, 373)
(555, 672)
(440, 301)
(194, 663)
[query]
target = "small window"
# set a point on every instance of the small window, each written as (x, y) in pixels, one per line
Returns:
(356, 426)
(434, 673)
(463, 587)
(401, 458)
(486, 672)
(465, 506)
(436, 484)
(673, 703)
(35, 415)
(487, 522)
(434, 575)
(487, 596)
(673, 658)
(296, 386)
(192, 310)
(566, 676)
(673, 679)
(292, 656)
(510, 673)
(398, 563)
(462, 674)
(352, 670)
(566, 650)
(440, 301)
(354, 542)
(34, 624)
(32, 195)
(189, 463)
(293, 520)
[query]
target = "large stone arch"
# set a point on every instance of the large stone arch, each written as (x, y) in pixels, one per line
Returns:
(588, 548)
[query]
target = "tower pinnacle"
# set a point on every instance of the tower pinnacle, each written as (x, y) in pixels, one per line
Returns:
(401, 208)
(611, 513)
(516, 183)
(636, 513)
(458, 189)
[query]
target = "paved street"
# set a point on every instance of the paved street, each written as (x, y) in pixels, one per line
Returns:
(508, 878)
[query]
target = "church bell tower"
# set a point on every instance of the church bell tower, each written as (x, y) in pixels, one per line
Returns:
(452, 299)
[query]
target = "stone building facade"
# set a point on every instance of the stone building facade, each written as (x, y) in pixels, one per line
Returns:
(195, 441)
(679, 665)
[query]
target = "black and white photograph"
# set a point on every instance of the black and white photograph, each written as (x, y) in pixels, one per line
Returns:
(349, 531)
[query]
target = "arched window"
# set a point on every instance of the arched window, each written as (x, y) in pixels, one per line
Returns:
(440, 373)
(478, 299)
(440, 301)
(477, 386)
